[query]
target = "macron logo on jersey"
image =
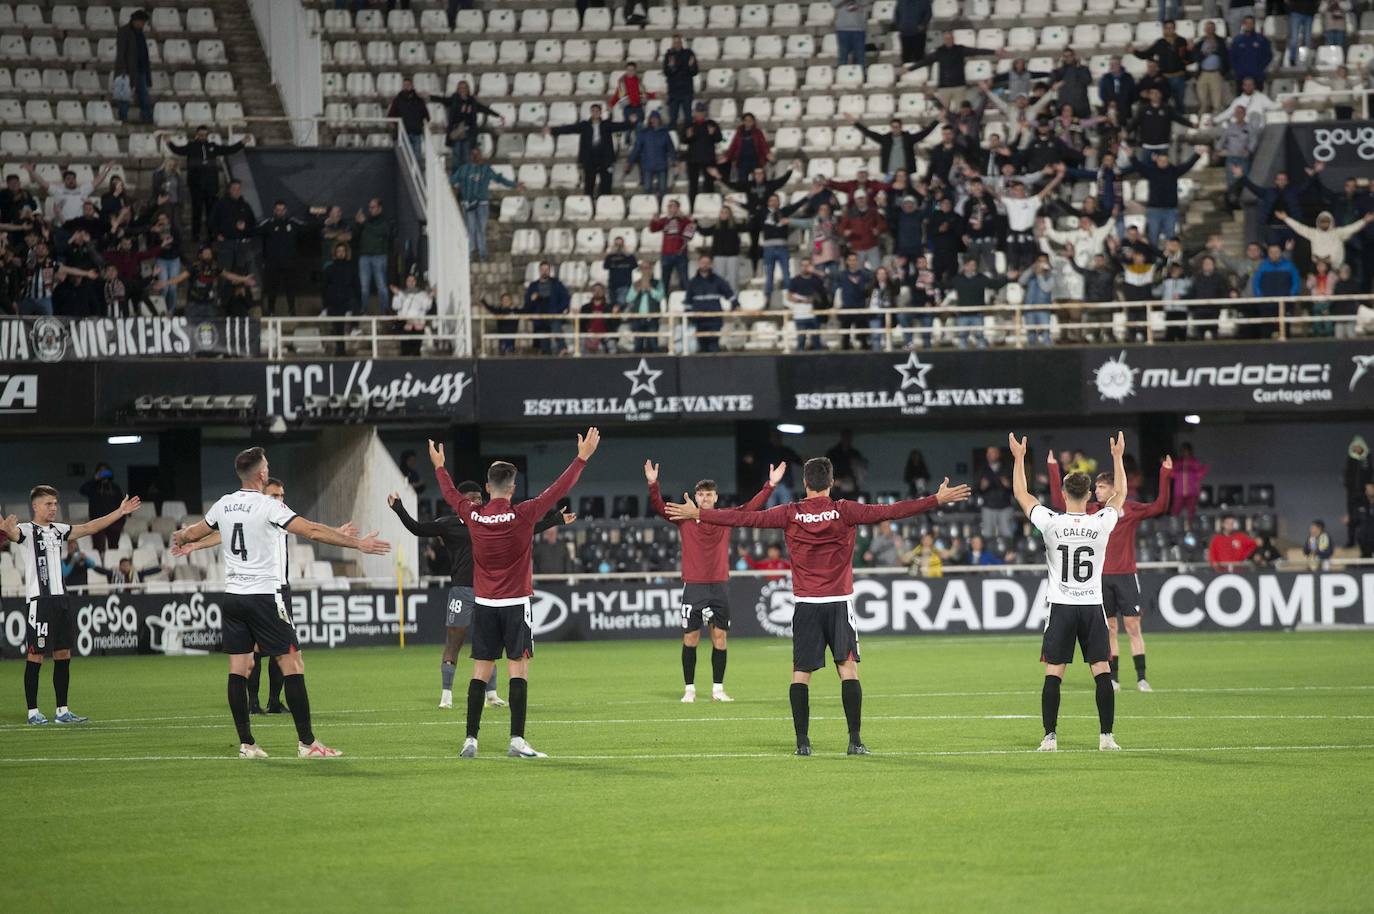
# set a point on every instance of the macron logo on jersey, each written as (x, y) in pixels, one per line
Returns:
(821, 518)
(505, 518)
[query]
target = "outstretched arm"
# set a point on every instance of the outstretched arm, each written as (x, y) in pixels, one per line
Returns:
(1160, 505)
(586, 447)
(556, 517)
(1118, 472)
(126, 507)
(319, 533)
(410, 523)
(857, 514)
(1019, 489)
(774, 518)
(446, 487)
(775, 474)
(208, 542)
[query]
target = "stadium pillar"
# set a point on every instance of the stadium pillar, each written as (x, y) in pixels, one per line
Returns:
(1159, 435)
(178, 463)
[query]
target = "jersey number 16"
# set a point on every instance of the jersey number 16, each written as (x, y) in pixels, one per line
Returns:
(1082, 564)
(238, 548)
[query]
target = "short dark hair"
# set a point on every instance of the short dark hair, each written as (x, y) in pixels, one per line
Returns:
(247, 461)
(705, 485)
(1077, 485)
(818, 474)
(501, 475)
(279, 203)
(1319, 524)
(468, 486)
(274, 481)
(1105, 477)
(38, 492)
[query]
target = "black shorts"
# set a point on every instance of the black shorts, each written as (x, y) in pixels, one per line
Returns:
(816, 626)
(51, 625)
(1121, 594)
(502, 628)
(258, 622)
(1085, 624)
(705, 604)
(460, 603)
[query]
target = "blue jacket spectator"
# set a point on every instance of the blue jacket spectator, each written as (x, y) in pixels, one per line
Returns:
(1276, 278)
(548, 295)
(706, 294)
(1119, 88)
(1251, 54)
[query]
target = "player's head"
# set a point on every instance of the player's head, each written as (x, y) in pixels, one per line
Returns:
(1103, 487)
(818, 476)
(501, 479)
(274, 489)
(251, 465)
(1076, 489)
(471, 490)
(43, 504)
(706, 493)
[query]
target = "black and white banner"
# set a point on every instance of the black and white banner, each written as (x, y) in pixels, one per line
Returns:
(884, 605)
(1260, 377)
(57, 339)
(1345, 148)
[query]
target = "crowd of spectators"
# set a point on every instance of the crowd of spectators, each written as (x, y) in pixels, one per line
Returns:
(1034, 211)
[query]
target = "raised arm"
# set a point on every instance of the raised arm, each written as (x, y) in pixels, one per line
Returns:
(1160, 505)
(554, 518)
(775, 474)
(446, 487)
(319, 533)
(414, 526)
(1019, 489)
(1053, 471)
(1118, 472)
(586, 447)
(126, 507)
(655, 495)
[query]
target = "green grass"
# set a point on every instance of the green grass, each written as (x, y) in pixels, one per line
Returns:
(1247, 784)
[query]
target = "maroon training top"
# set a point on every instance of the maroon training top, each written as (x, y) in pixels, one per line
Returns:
(705, 547)
(1121, 542)
(820, 535)
(503, 536)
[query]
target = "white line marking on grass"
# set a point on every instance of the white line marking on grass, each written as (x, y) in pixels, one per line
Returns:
(631, 721)
(979, 694)
(650, 757)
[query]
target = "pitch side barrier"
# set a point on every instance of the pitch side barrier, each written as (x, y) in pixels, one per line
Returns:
(615, 607)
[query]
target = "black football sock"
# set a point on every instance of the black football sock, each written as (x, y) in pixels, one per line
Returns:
(1139, 666)
(1106, 702)
(1049, 703)
(1116, 668)
(689, 664)
(275, 682)
(61, 678)
(718, 665)
(800, 696)
(519, 701)
(31, 671)
(299, 701)
(238, 706)
(477, 699)
(255, 680)
(852, 695)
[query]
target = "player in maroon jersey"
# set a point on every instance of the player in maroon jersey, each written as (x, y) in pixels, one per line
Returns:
(1120, 582)
(705, 569)
(820, 535)
(503, 585)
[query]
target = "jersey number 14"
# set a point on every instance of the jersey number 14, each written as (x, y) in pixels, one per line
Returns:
(240, 549)
(1082, 564)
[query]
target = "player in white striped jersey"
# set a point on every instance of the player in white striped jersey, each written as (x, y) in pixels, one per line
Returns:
(1075, 551)
(39, 545)
(253, 528)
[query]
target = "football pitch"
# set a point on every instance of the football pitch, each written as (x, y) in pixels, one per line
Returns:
(1247, 784)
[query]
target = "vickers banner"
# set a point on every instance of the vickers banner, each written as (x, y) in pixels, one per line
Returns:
(57, 339)
(884, 605)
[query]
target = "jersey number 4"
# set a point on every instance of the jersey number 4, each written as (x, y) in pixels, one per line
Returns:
(1082, 564)
(237, 546)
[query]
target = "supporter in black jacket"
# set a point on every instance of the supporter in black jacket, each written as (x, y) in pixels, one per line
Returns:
(951, 58)
(1153, 125)
(280, 233)
(229, 211)
(202, 172)
(905, 158)
(595, 149)
(680, 70)
(341, 292)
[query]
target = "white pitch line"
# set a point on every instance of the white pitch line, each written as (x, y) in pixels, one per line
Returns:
(648, 757)
(455, 721)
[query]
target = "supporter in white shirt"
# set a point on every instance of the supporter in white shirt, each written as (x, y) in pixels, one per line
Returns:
(412, 305)
(66, 199)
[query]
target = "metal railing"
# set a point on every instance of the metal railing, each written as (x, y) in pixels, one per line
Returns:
(678, 332)
(1330, 98)
(352, 336)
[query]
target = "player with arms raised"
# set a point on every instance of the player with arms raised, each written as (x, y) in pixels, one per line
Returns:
(1075, 551)
(40, 545)
(253, 527)
(820, 534)
(1120, 582)
(503, 586)
(705, 569)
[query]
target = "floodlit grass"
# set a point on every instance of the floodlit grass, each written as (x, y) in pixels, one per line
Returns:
(1247, 784)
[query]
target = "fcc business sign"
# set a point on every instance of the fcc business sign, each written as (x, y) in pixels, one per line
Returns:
(1262, 377)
